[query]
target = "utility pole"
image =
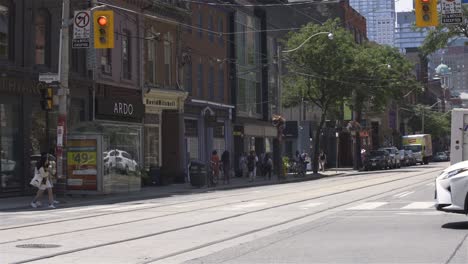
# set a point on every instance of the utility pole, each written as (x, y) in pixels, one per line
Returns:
(422, 120)
(63, 90)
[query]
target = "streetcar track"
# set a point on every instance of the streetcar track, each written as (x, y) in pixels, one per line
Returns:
(192, 201)
(236, 216)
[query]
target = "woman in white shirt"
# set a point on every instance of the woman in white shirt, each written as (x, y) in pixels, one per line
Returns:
(43, 173)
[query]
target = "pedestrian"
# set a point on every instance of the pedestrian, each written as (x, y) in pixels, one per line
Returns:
(215, 165)
(251, 165)
(322, 160)
(43, 181)
(268, 165)
(226, 166)
(243, 165)
(260, 165)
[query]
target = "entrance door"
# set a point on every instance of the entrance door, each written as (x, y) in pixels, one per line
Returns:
(171, 147)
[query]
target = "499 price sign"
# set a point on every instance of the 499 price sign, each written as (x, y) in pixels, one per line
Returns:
(82, 164)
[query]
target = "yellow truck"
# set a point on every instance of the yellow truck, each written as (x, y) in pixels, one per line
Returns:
(420, 145)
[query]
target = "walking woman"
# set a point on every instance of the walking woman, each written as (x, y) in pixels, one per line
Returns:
(42, 180)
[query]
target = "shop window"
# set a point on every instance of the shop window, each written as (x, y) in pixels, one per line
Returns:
(152, 146)
(41, 41)
(191, 136)
(11, 177)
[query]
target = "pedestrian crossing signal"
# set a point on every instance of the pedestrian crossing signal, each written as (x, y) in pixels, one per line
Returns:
(47, 96)
(103, 29)
(426, 13)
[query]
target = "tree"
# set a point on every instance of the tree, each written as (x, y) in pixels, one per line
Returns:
(315, 71)
(440, 36)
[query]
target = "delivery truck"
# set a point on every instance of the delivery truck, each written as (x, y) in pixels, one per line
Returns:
(459, 135)
(420, 145)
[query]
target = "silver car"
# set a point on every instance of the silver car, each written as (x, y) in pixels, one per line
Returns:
(394, 156)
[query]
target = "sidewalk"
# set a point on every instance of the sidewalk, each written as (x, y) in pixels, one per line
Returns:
(22, 202)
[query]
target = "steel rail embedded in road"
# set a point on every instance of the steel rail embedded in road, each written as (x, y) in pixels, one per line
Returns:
(240, 215)
(172, 204)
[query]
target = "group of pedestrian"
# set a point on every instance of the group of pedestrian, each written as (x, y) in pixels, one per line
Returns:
(251, 165)
(222, 164)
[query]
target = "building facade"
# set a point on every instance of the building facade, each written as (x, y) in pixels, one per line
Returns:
(380, 17)
(406, 35)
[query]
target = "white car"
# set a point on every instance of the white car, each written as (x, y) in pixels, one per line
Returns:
(451, 192)
(119, 159)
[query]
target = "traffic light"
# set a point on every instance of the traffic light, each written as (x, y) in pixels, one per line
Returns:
(103, 29)
(426, 13)
(47, 96)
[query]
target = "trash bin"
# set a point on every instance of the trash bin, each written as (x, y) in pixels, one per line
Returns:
(197, 172)
(155, 175)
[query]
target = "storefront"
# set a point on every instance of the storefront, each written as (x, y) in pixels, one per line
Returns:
(208, 127)
(163, 132)
(24, 133)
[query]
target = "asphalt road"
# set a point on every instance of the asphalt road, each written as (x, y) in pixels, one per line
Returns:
(371, 218)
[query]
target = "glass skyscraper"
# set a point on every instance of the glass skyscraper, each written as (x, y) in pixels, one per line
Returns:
(380, 16)
(407, 36)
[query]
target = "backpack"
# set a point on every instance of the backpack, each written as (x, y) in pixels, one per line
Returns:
(251, 162)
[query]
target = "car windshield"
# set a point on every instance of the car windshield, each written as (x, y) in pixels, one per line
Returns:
(377, 153)
(414, 148)
(440, 154)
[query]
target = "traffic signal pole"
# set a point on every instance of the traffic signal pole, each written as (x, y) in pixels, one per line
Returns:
(63, 92)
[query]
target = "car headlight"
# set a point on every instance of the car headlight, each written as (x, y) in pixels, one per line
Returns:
(454, 172)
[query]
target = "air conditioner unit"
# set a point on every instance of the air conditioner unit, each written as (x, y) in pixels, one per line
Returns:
(106, 68)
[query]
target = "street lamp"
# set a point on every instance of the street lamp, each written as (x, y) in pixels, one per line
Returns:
(330, 37)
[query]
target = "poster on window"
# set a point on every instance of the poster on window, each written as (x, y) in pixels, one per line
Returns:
(82, 164)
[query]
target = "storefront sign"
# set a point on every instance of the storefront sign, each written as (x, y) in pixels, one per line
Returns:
(82, 164)
(119, 109)
(19, 86)
(162, 103)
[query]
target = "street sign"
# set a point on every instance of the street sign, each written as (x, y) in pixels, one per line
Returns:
(81, 29)
(49, 77)
(451, 12)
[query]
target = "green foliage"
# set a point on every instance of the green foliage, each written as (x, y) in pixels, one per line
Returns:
(435, 123)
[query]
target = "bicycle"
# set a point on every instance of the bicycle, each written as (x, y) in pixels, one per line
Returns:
(212, 180)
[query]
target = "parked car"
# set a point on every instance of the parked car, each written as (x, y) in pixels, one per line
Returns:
(394, 156)
(119, 160)
(441, 156)
(452, 188)
(411, 157)
(377, 159)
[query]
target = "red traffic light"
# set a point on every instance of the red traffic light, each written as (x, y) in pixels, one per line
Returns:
(425, 1)
(102, 21)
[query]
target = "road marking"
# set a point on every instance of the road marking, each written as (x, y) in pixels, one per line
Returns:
(87, 209)
(422, 213)
(431, 184)
(129, 207)
(406, 194)
(310, 205)
(419, 205)
(368, 206)
(401, 194)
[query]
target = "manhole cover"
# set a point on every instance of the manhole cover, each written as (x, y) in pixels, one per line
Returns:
(38, 246)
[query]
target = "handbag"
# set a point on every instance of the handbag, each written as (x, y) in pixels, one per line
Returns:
(37, 179)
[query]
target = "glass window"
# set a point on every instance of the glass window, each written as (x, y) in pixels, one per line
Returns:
(200, 79)
(168, 59)
(221, 31)
(106, 61)
(191, 135)
(211, 82)
(188, 78)
(152, 153)
(10, 156)
(150, 57)
(221, 82)
(200, 25)
(41, 38)
(210, 27)
(4, 26)
(126, 55)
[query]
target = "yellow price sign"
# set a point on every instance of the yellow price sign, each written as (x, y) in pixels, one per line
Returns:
(82, 158)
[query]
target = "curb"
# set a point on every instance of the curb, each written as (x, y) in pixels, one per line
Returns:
(105, 199)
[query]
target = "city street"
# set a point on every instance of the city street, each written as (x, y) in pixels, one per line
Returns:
(375, 217)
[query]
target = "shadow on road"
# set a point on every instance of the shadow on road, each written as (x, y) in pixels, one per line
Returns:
(456, 225)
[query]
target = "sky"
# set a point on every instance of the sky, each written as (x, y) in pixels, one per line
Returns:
(403, 5)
